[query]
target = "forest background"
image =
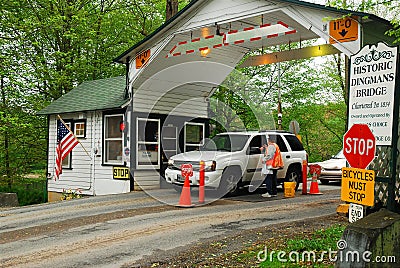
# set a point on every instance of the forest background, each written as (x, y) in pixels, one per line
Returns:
(50, 46)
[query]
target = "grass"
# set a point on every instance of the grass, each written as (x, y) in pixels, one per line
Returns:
(299, 251)
(30, 190)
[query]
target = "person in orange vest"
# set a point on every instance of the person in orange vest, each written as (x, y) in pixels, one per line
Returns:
(273, 162)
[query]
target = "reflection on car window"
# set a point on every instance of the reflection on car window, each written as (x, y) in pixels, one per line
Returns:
(229, 143)
(294, 143)
(340, 155)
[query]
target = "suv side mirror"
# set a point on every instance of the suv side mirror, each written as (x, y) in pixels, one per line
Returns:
(255, 150)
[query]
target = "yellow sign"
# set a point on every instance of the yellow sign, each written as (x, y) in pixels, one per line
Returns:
(358, 186)
(120, 173)
(142, 59)
(343, 30)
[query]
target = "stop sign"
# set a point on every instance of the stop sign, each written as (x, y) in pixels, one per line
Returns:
(186, 170)
(359, 146)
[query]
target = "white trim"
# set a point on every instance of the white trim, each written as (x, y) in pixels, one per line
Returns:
(105, 139)
(84, 129)
(157, 143)
(193, 144)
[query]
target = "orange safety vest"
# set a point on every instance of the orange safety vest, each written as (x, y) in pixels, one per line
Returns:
(276, 161)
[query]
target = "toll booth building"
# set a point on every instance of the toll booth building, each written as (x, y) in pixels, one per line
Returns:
(97, 112)
(170, 76)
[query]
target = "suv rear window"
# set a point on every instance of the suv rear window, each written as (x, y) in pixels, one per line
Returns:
(294, 143)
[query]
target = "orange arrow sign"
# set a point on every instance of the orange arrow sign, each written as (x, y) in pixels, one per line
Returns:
(343, 30)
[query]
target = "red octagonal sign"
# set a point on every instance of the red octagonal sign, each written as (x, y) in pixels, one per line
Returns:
(186, 170)
(359, 146)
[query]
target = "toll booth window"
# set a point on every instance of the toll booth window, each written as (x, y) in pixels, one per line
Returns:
(113, 138)
(194, 136)
(148, 143)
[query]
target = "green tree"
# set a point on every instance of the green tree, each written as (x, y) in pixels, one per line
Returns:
(311, 93)
(50, 46)
(66, 42)
(388, 9)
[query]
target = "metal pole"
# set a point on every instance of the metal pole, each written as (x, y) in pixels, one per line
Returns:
(279, 98)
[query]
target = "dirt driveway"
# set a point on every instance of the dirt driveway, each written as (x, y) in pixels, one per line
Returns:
(137, 230)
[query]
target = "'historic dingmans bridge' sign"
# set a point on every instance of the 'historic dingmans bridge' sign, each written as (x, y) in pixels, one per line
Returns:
(372, 89)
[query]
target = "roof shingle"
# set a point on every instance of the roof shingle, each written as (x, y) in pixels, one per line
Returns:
(93, 95)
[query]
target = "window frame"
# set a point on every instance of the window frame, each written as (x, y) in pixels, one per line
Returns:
(68, 165)
(82, 136)
(105, 140)
(201, 143)
(261, 139)
(157, 143)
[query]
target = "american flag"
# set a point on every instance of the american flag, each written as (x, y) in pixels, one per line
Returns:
(66, 141)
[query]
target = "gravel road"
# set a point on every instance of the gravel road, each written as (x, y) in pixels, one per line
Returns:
(121, 230)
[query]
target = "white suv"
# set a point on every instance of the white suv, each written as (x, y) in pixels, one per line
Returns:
(233, 160)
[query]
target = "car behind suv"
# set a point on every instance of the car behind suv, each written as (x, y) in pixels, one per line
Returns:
(233, 160)
(331, 169)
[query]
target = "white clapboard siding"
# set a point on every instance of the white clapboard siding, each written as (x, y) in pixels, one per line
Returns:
(190, 108)
(87, 173)
(146, 180)
(185, 100)
(80, 176)
(167, 102)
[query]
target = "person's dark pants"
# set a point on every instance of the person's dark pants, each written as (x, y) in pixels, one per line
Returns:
(271, 182)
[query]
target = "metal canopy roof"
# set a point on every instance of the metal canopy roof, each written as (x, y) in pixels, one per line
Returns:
(227, 30)
(241, 20)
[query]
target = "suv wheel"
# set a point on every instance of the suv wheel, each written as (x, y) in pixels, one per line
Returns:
(229, 182)
(293, 175)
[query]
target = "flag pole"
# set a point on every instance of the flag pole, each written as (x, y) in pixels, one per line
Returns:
(62, 121)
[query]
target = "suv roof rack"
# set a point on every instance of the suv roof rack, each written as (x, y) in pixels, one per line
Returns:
(277, 130)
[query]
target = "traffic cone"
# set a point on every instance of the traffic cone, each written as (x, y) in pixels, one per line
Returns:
(185, 200)
(314, 185)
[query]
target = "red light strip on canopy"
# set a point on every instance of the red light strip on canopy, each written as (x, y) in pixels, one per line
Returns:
(233, 37)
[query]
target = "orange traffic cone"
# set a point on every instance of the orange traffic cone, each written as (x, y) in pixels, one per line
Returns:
(314, 185)
(185, 200)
